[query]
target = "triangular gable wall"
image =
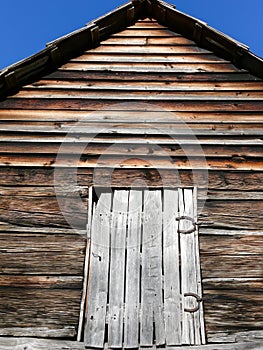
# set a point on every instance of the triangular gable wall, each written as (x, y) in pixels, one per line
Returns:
(61, 50)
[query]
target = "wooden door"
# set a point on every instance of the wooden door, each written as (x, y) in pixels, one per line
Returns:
(144, 285)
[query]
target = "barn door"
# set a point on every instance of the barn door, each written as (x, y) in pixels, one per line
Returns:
(144, 284)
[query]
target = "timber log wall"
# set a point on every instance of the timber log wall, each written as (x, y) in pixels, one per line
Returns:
(41, 260)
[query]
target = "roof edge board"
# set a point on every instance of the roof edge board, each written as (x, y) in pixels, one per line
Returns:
(207, 37)
(59, 51)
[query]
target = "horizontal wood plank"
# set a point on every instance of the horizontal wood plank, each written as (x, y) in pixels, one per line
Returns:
(134, 31)
(28, 254)
(235, 163)
(187, 67)
(223, 180)
(137, 40)
(40, 332)
(153, 76)
(230, 309)
(39, 344)
(30, 307)
(42, 282)
(150, 86)
(59, 92)
(233, 266)
(232, 214)
(175, 105)
(231, 245)
(131, 150)
(43, 211)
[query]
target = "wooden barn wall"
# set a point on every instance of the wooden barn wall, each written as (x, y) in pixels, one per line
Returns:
(41, 260)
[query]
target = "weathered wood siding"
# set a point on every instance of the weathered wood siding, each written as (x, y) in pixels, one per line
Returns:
(41, 260)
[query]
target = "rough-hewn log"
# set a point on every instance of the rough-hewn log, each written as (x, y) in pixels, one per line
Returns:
(115, 162)
(151, 76)
(43, 211)
(232, 214)
(129, 150)
(129, 116)
(49, 282)
(237, 337)
(157, 86)
(28, 307)
(235, 307)
(41, 255)
(180, 105)
(218, 180)
(231, 265)
(40, 332)
(231, 245)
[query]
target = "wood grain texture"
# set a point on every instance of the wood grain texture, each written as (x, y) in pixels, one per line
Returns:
(218, 180)
(117, 267)
(144, 63)
(98, 275)
(13, 343)
(172, 299)
(154, 85)
(227, 309)
(132, 286)
(151, 281)
(29, 307)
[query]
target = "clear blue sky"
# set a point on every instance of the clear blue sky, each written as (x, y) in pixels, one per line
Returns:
(26, 25)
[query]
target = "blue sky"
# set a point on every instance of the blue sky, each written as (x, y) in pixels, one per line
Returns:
(27, 25)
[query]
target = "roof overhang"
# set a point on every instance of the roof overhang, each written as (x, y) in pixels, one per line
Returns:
(63, 49)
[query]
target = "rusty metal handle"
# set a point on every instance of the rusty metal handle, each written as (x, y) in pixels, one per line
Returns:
(198, 299)
(190, 230)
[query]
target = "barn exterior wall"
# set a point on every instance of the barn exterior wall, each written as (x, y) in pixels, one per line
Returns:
(42, 257)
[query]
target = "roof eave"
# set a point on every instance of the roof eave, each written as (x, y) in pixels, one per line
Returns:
(63, 49)
(207, 37)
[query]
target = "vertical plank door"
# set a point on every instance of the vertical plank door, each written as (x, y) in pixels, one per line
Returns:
(117, 268)
(99, 266)
(172, 295)
(132, 295)
(151, 280)
(144, 277)
(192, 325)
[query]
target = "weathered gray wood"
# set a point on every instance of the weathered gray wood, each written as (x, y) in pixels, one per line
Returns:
(19, 343)
(149, 67)
(151, 116)
(40, 332)
(187, 255)
(190, 276)
(117, 267)
(98, 275)
(13, 343)
(199, 316)
(172, 295)
(182, 49)
(86, 267)
(131, 322)
(129, 57)
(151, 284)
(151, 85)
